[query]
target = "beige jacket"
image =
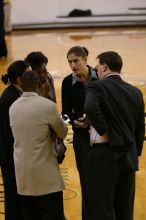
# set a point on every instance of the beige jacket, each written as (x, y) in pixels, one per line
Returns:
(36, 167)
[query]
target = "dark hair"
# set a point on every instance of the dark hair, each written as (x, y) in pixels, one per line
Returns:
(29, 79)
(112, 59)
(86, 51)
(36, 59)
(5, 78)
(78, 51)
(15, 70)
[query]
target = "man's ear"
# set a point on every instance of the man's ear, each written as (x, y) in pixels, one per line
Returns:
(105, 67)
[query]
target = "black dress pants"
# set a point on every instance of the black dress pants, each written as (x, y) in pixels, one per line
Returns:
(46, 207)
(81, 149)
(111, 186)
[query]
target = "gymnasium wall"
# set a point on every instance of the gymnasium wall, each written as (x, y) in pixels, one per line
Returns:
(45, 11)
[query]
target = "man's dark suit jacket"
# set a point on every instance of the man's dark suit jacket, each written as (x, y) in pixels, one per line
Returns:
(114, 106)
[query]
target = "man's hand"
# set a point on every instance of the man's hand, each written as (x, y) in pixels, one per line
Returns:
(81, 123)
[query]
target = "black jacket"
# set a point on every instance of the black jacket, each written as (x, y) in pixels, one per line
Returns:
(10, 94)
(116, 107)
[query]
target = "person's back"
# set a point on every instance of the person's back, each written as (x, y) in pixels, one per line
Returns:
(126, 101)
(116, 112)
(123, 105)
(32, 116)
(39, 181)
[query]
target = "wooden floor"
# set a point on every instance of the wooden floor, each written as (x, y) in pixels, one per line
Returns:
(129, 42)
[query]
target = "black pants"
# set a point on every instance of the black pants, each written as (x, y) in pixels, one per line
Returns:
(46, 207)
(111, 186)
(3, 47)
(81, 148)
(12, 204)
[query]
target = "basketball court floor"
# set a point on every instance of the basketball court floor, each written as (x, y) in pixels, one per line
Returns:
(130, 43)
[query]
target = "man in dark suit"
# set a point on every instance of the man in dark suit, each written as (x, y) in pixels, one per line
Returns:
(116, 111)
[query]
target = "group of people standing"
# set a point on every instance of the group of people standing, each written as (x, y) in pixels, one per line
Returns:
(29, 123)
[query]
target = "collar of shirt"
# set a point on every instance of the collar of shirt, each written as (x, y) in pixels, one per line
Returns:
(18, 89)
(92, 75)
(27, 94)
(112, 74)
